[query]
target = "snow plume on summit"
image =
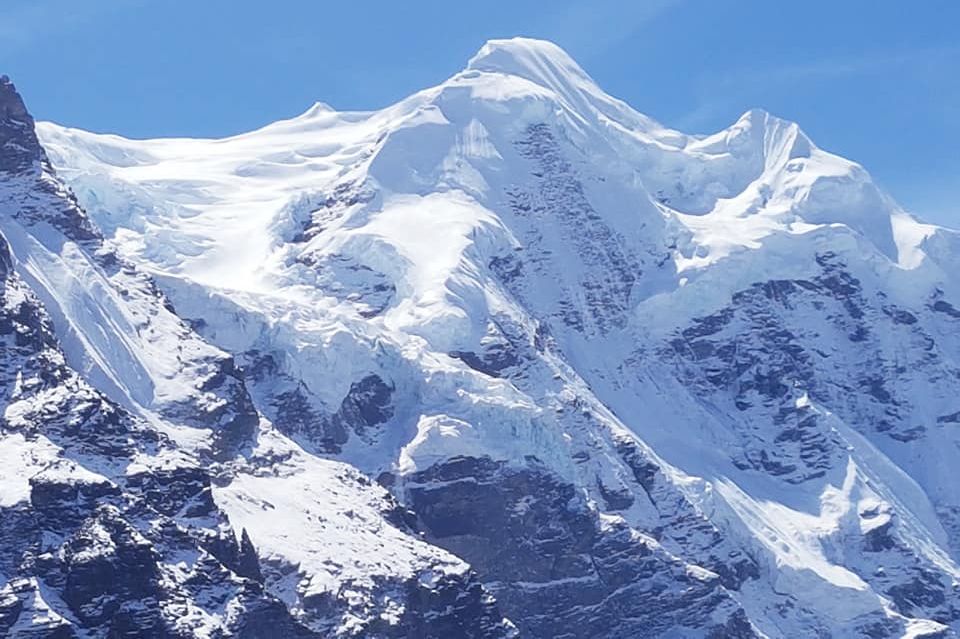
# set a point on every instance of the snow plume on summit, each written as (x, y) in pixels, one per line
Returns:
(505, 358)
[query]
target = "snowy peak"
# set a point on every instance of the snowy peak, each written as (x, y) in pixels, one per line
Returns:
(778, 140)
(547, 66)
(539, 61)
(644, 383)
(760, 176)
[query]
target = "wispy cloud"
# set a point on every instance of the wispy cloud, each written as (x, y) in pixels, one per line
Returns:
(587, 29)
(832, 68)
(23, 23)
(720, 91)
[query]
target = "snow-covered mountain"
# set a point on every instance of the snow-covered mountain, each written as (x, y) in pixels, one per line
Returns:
(507, 358)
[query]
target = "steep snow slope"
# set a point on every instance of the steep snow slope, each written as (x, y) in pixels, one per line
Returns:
(644, 383)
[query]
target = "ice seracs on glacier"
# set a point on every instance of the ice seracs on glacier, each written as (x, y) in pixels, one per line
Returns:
(612, 379)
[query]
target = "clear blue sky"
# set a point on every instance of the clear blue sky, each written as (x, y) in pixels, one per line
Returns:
(877, 81)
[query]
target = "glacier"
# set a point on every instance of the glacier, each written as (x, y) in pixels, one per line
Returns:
(506, 358)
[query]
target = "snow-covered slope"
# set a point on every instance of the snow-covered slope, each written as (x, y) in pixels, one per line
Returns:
(136, 469)
(638, 383)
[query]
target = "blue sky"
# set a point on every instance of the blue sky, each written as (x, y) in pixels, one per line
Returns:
(876, 81)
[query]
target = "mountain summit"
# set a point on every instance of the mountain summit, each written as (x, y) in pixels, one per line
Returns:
(507, 358)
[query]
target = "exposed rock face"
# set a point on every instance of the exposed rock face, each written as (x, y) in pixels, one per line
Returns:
(100, 551)
(559, 199)
(22, 157)
(20, 150)
(558, 566)
(771, 356)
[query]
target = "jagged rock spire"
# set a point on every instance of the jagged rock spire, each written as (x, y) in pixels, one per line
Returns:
(20, 149)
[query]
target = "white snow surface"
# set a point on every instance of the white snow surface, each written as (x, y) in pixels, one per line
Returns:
(319, 529)
(270, 237)
(19, 461)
